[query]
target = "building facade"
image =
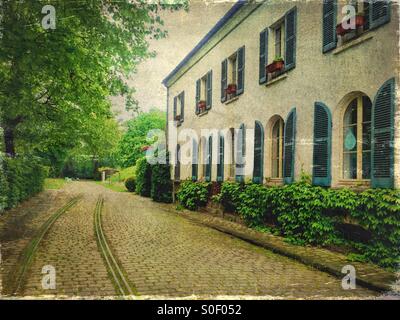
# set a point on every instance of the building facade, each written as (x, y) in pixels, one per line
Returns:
(278, 88)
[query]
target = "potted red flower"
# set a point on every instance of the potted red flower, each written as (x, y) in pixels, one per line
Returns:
(277, 65)
(359, 22)
(202, 106)
(231, 89)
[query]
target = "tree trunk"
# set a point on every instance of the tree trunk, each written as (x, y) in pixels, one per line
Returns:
(9, 141)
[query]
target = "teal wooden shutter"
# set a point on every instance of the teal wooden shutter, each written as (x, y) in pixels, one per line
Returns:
(240, 153)
(209, 90)
(209, 160)
(263, 56)
(383, 136)
(290, 38)
(379, 13)
(182, 106)
(175, 106)
(329, 17)
(322, 145)
(178, 163)
(220, 165)
(197, 96)
(289, 147)
(195, 160)
(224, 79)
(240, 72)
(258, 153)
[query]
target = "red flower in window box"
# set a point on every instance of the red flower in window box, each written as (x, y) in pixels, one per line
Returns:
(202, 105)
(277, 65)
(359, 22)
(231, 89)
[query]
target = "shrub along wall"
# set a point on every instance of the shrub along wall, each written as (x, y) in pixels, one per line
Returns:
(306, 214)
(143, 177)
(20, 178)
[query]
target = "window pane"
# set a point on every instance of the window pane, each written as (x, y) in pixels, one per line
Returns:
(350, 139)
(366, 163)
(366, 136)
(367, 109)
(350, 166)
(351, 114)
(275, 168)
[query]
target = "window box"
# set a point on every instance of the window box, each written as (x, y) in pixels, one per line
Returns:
(359, 22)
(231, 89)
(275, 66)
(202, 106)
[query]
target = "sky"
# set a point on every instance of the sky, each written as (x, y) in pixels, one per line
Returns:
(185, 30)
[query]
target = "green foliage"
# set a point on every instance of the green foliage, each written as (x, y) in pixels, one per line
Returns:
(54, 184)
(161, 184)
(25, 177)
(135, 138)
(124, 174)
(193, 195)
(130, 184)
(307, 214)
(3, 186)
(143, 177)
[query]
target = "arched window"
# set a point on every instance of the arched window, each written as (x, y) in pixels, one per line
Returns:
(209, 160)
(177, 170)
(258, 153)
(240, 153)
(357, 139)
(221, 156)
(277, 149)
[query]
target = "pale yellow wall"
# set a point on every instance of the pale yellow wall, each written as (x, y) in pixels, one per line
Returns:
(328, 78)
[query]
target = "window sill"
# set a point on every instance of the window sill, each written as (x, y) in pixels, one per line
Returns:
(202, 113)
(274, 181)
(362, 184)
(231, 100)
(277, 79)
(353, 42)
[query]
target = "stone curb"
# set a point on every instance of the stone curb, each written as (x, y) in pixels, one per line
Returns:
(368, 275)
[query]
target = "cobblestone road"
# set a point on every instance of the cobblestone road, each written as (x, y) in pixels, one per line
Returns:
(161, 254)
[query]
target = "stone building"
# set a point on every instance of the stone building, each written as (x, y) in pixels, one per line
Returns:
(278, 88)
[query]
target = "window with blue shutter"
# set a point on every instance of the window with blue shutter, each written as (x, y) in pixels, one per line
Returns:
(224, 79)
(240, 154)
(209, 160)
(182, 101)
(209, 90)
(379, 13)
(198, 82)
(258, 153)
(240, 70)
(175, 107)
(322, 145)
(289, 147)
(383, 136)
(220, 165)
(263, 56)
(290, 38)
(195, 160)
(329, 16)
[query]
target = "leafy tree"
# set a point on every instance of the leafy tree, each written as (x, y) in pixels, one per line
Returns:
(130, 148)
(55, 83)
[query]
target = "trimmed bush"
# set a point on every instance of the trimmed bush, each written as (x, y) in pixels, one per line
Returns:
(161, 184)
(143, 178)
(193, 195)
(130, 184)
(25, 177)
(229, 196)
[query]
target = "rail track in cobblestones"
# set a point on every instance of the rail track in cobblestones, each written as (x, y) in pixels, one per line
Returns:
(120, 281)
(28, 253)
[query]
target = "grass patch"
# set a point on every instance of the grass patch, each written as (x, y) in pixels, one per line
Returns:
(54, 184)
(114, 186)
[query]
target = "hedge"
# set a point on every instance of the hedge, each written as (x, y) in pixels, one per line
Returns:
(143, 177)
(161, 185)
(306, 214)
(21, 178)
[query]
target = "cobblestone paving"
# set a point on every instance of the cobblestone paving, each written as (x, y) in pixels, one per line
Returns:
(165, 254)
(162, 253)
